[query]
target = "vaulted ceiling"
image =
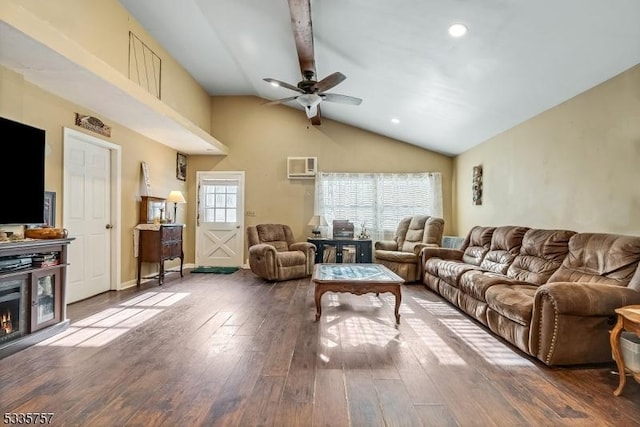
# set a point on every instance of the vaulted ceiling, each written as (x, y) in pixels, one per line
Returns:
(418, 84)
(518, 58)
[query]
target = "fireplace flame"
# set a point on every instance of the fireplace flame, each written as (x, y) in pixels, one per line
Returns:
(5, 323)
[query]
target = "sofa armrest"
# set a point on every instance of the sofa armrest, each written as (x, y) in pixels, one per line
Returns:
(586, 299)
(262, 260)
(262, 249)
(386, 245)
(305, 247)
(309, 250)
(417, 249)
(571, 321)
(439, 252)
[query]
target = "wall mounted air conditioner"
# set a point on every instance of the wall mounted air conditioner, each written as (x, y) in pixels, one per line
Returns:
(302, 167)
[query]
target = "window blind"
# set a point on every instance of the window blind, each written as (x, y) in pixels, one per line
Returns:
(377, 201)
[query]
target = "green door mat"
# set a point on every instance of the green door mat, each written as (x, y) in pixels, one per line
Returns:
(215, 270)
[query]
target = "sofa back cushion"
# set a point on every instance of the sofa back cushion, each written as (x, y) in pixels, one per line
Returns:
(419, 229)
(610, 259)
(541, 254)
(410, 232)
(505, 245)
(279, 236)
(477, 244)
(433, 231)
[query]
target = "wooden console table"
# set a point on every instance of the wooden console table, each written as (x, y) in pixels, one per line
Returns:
(629, 320)
(362, 249)
(158, 245)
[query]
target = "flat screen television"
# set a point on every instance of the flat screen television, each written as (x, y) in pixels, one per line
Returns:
(22, 173)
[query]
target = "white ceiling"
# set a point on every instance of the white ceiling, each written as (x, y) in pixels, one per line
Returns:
(518, 59)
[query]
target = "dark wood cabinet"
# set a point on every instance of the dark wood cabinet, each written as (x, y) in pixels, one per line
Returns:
(158, 246)
(342, 250)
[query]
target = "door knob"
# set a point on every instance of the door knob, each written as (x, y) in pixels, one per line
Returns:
(108, 226)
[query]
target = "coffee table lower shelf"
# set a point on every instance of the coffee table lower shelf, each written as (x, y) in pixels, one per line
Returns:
(357, 279)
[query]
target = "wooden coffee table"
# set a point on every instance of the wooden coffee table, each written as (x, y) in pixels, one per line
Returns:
(357, 279)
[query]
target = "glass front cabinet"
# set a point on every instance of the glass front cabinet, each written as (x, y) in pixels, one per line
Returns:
(46, 298)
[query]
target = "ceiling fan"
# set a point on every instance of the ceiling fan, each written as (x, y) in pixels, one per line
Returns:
(312, 92)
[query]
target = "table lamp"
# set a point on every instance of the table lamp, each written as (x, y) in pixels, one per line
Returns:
(317, 221)
(176, 197)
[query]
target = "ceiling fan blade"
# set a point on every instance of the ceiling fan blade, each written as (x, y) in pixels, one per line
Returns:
(280, 101)
(283, 84)
(341, 99)
(330, 81)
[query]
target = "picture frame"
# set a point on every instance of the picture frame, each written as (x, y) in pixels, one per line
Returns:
(181, 167)
(50, 208)
(152, 209)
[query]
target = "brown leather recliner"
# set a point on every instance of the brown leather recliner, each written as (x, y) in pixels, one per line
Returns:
(402, 255)
(275, 255)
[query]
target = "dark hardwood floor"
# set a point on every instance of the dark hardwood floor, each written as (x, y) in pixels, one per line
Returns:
(233, 350)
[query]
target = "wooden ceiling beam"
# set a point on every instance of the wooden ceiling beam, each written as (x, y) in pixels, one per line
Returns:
(300, 11)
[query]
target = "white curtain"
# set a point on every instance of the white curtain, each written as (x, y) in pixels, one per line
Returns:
(377, 201)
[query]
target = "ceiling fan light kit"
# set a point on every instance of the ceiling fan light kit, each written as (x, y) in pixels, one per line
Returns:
(312, 92)
(310, 103)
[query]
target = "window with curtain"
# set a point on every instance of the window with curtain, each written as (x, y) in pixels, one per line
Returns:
(377, 200)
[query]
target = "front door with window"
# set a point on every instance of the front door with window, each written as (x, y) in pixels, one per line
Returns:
(220, 219)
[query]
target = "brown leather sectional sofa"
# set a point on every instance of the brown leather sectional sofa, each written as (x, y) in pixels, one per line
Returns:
(550, 293)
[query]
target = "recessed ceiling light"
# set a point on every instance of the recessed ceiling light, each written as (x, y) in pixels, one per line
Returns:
(457, 30)
(395, 120)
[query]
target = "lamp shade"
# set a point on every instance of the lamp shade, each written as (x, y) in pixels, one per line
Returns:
(317, 220)
(176, 197)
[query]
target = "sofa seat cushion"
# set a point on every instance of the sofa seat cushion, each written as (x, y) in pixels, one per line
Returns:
(291, 258)
(476, 283)
(450, 271)
(515, 302)
(432, 265)
(396, 256)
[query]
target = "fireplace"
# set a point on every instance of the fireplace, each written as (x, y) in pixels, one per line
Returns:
(13, 309)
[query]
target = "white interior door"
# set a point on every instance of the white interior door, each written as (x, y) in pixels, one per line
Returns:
(87, 214)
(220, 219)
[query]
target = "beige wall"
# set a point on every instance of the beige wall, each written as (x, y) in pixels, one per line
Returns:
(575, 166)
(261, 137)
(102, 29)
(26, 103)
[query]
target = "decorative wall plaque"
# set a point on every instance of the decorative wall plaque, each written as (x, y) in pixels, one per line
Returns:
(477, 185)
(93, 124)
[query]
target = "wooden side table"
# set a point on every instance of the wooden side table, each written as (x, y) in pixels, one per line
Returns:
(628, 320)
